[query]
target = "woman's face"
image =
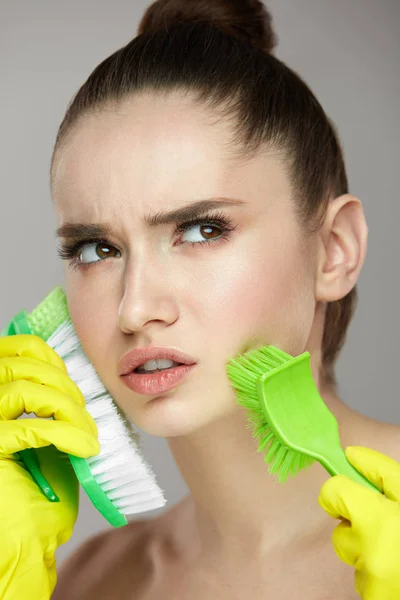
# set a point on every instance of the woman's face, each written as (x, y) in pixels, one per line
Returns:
(148, 286)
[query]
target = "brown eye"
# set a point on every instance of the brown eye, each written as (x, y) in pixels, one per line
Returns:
(99, 250)
(103, 250)
(207, 231)
(200, 233)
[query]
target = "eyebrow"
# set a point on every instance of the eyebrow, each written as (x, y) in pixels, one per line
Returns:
(184, 213)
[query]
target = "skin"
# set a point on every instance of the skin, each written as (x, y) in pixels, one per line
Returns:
(267, 284)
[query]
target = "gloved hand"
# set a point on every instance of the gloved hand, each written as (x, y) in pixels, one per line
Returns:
(34, 378)
(369, 536)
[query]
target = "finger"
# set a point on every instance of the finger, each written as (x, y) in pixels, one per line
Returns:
(374, 588)
(31, 346)
(360, 580)
(36, 433)
(30, 369)
(343, 498)
(381, 470)
(23, 396)
(345, 544)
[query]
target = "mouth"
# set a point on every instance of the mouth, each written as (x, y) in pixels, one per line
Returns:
(157, 381)
(161, 357)
(159, 366)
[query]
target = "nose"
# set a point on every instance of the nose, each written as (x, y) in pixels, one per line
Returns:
(147, 297)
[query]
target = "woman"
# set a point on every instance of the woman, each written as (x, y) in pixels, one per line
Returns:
(197, 108)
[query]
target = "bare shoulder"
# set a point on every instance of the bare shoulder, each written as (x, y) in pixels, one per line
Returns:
(383, 437)
(116, 563)
(390, 441)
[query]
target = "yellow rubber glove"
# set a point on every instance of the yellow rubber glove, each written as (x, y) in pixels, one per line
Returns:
(34, 378)
(369, 536)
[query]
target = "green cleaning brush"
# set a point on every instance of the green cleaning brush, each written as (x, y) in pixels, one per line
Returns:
(118, 481)
(287, 413)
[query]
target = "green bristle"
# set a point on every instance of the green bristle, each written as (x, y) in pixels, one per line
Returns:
(45, 319)
(244, 371)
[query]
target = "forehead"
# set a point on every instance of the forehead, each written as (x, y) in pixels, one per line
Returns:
(152, 149)
(164, 133)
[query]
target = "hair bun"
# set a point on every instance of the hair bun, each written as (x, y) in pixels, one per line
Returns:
(248, 19)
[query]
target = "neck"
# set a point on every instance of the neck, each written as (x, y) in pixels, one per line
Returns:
(235, 504)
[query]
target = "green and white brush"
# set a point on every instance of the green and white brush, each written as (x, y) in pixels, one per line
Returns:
(118, 481)
(288, 416)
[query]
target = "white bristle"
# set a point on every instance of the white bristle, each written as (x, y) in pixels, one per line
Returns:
(119, 468)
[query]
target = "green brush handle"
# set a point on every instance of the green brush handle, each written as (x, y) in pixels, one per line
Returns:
(19, 325)
(337, 464)
(314, 430)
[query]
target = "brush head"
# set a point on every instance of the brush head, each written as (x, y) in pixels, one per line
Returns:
(288, 417)
(49, 314)
(118, 480)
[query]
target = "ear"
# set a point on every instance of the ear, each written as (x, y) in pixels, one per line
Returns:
(342, 247)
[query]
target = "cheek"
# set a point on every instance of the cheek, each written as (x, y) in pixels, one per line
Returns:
(83, 326)
(268, 298)
(74, 306)
(90, 322)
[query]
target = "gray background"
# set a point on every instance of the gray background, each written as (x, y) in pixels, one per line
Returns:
(348, 51)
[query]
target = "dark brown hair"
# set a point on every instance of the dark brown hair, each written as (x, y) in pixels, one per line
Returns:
(221, 51)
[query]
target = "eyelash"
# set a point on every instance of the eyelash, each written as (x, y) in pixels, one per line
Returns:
(70, 251)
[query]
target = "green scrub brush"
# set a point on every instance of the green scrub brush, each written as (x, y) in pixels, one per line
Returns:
(118, 481)
(287, 413)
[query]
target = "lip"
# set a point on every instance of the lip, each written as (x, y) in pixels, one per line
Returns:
(156, 383)
(135, 358)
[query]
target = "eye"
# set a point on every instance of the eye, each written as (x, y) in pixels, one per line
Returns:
(94, 251)
(212, 229)
(209, 232)
(89, 252)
